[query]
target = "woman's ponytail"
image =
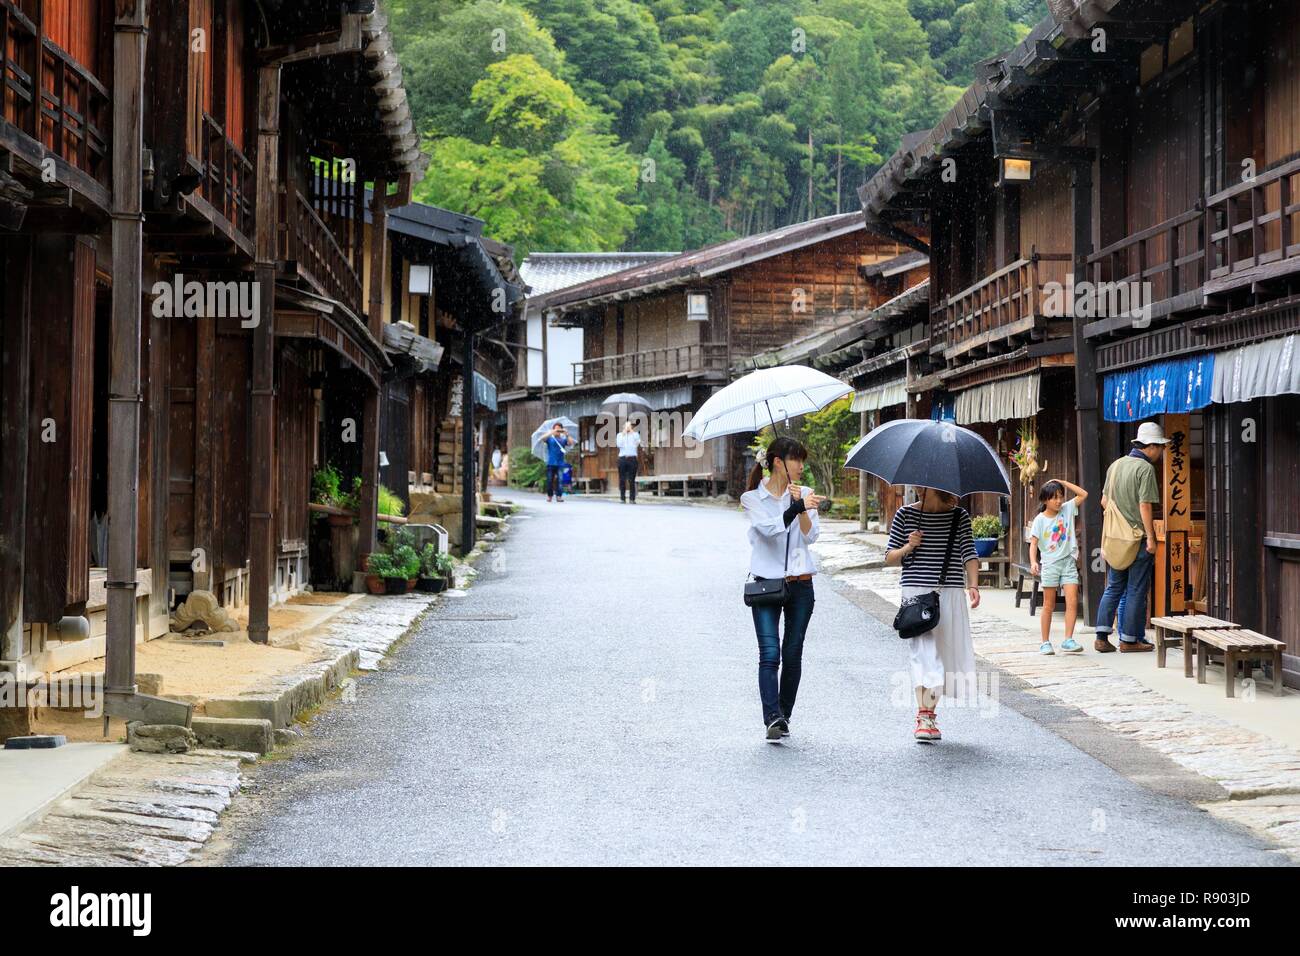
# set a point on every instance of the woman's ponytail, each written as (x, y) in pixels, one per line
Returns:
(784, 448)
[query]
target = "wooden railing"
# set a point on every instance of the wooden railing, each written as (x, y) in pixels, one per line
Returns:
(1253, 224)
(308, 243)
(51, 97)
(1169, 256)
(228, 182)
(651, 363)
(1007, 302)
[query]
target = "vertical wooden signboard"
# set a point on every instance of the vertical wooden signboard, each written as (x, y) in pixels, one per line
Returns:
(1177, 497)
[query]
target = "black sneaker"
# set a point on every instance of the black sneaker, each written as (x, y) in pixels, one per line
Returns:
(785, 727)
(776, 730)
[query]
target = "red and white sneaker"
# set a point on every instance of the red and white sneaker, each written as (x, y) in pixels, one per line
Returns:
(927, 731)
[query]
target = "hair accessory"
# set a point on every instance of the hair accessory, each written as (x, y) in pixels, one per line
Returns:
(760, 456)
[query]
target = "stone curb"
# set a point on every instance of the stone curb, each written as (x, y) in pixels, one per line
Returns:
(289, 696)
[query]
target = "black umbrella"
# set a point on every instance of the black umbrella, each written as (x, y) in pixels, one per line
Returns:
(930, 454)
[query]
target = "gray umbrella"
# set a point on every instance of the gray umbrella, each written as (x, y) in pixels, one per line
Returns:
(930, 454)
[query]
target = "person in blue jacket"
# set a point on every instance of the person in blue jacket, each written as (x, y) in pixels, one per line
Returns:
(557, 443)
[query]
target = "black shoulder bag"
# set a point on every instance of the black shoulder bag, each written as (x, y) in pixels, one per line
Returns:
(770, 590)
(920, 614)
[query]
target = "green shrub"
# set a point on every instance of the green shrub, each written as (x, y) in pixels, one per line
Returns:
(390, 504)
(445, 564)
(326, 486)
(381, 564)
(526, 469)
(406, 563)
(986, 526)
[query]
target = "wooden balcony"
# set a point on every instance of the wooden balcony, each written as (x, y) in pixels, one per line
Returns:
(1252, 228)
(229, 183)
(676, 360)
(1006, 304)
(1169, 256)
(55, 102)
(308, 247)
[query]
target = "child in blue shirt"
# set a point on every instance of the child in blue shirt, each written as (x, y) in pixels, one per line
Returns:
(1054, 555)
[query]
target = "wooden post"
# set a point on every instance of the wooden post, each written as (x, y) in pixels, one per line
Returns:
(468, 507)
(1086, 401)
(862, 479)
(15, 352)
(1177, 498)
(368, 523)
(124, 400)
(261, 485)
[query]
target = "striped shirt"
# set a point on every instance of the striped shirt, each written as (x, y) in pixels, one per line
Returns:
(921, 568)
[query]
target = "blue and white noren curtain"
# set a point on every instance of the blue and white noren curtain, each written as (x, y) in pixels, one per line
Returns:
(1162, 388)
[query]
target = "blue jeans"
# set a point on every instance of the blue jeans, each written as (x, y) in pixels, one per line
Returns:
(553, 486)
(1127, 590)
(774, 657)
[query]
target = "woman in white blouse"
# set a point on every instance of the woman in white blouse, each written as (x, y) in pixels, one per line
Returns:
(782, 524)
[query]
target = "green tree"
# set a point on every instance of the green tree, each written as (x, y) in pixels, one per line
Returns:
(616, 58)
(984, 30)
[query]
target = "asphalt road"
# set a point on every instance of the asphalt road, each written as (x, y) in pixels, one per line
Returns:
(595, 701)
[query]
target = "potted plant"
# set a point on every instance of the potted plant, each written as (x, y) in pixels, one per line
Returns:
(406, 565)
(378, 569)
(327, 489)
(446, 566)
(987, 530)
(431, 580)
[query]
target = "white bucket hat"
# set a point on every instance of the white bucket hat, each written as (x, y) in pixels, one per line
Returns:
(1149, 433)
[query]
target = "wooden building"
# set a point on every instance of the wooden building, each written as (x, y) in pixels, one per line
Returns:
(880, 351)
(185, 329)
(674, 330)
(446, 282)
(544, 355)
(1167, 135)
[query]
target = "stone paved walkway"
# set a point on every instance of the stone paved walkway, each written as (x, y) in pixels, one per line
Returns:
(1261, 777)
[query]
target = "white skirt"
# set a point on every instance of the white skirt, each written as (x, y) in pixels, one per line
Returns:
(945, 656)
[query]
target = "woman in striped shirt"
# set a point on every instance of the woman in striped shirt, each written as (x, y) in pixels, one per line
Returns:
(943, 659)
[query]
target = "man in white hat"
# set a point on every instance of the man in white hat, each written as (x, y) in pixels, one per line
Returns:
(1132, 485)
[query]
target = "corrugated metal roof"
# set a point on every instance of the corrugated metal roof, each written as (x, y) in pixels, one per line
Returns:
(545, 272)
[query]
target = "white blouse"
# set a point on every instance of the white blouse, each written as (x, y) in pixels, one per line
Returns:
(767, 534)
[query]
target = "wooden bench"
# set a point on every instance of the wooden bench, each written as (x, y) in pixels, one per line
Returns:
(660, 482)
(1181, 631)
(996, 570)
(1239, 645)
(1035, 596)
(590, 485)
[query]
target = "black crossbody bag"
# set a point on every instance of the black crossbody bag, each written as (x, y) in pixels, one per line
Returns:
(920, 614)
(770, 590)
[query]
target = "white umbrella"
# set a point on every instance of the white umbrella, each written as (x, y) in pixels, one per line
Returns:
(624, 398)
(544, 429)
(764, 398)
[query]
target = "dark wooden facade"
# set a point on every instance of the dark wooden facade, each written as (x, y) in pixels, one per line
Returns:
(1172, 155)
(231, 416)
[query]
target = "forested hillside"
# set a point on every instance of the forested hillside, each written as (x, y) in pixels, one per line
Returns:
(671, 124)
